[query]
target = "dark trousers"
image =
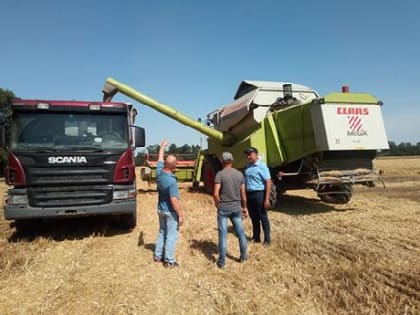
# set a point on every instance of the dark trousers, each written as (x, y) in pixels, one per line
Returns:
(258, 214)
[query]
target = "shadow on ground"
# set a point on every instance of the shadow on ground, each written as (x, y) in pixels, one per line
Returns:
(297, 205)
(69, 229)
(146, 190)
(208, 248)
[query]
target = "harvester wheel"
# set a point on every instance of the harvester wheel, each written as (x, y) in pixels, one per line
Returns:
(337, 194)
(210, 167)
(275, 195)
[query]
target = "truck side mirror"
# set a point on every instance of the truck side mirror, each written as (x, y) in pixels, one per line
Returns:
(139, 137)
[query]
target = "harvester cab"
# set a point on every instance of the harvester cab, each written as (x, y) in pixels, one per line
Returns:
(308, 141)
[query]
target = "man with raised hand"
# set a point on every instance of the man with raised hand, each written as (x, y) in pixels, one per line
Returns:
(169, 212)
(230, 200)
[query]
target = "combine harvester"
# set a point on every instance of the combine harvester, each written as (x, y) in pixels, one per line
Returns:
(323, 143)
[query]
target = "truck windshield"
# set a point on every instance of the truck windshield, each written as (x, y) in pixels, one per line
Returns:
(72, 131)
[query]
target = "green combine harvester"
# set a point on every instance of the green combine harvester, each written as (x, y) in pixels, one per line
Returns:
(323, 143)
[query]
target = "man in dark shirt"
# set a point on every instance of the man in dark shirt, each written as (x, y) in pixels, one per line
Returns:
(230, 199)
(170, 215)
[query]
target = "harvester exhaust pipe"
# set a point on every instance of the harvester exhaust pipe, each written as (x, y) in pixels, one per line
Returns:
(112, 86)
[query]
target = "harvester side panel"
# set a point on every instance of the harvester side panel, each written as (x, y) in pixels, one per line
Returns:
(349, 127)
(276, 154)
(295, 129)
(309, 142)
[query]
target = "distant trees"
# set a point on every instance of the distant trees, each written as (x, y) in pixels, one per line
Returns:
(184, 152)
(173, 149)
(6, 98)
(404, 148)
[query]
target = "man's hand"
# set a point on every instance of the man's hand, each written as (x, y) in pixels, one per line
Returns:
(163, 145)
(268, 184)
(244, 212)
(180, 220)
(267, 203)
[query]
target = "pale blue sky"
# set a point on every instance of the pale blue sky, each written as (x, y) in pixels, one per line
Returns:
(193, 54)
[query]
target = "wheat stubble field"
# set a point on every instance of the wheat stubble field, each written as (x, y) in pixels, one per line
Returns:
(359, 258)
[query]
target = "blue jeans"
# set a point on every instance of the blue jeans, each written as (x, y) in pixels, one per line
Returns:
(258, 214)
(236, 219)
(167, 236)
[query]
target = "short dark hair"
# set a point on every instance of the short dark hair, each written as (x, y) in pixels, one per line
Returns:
(250, 150)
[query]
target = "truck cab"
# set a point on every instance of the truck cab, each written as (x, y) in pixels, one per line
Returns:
(70, 158)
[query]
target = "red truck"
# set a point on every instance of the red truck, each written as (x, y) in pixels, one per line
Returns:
(70, 158)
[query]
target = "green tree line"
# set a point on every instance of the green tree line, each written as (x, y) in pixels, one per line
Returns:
(6, 98)
(403, 148)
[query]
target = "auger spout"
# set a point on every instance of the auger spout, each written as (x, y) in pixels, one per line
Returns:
(112, 86)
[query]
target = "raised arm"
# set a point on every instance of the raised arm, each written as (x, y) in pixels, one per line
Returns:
(162, 148)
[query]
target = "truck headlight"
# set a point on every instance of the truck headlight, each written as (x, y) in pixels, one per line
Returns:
(17, 199)
(124, 194)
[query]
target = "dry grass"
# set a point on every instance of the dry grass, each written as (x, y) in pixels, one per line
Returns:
(359, 258)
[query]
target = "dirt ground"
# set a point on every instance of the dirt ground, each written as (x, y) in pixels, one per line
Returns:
(358, 258)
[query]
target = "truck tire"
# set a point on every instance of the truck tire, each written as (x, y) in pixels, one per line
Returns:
(27, 226)
(128, 221)
(335, 194)
(210, 167)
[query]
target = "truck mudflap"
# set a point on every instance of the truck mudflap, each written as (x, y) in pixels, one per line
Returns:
(117, 207)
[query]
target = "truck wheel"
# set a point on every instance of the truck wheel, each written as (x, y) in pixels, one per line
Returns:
(128, 221)
(27, 226)
(210, 167)
(336, 194)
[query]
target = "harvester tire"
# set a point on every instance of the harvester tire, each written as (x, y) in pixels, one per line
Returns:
(275, 195)
(211, 166)
(340, 194)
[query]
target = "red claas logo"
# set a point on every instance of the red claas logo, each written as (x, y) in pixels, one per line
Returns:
(352, 111)
(354, 119)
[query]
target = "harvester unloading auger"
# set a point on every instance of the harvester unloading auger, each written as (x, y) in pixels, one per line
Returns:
(324, 143)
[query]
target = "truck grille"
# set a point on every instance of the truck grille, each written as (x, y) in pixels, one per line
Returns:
(69, 196)
(68, 176)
